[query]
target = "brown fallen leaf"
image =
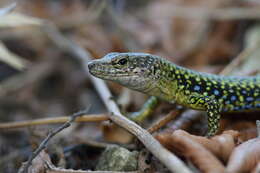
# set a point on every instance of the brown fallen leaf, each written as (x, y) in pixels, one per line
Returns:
(221, 145)
(181, 142)
(114, 133)
(244, 157)
(257, 168)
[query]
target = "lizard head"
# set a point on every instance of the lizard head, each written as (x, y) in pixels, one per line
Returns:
(133, 70)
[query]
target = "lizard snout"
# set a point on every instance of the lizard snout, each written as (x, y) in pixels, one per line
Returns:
(91, 64)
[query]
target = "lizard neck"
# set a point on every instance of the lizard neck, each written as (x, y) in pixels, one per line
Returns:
(175, 83)
(167, 84)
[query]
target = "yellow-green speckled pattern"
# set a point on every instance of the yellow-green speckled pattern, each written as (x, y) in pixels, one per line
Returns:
(158, 77)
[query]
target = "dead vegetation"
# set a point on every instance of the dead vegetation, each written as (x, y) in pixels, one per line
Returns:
(44, 50)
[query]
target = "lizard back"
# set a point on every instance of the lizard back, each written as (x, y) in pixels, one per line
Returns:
(232, 93)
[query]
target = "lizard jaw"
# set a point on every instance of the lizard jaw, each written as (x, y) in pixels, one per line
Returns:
(124, 78)
(102, 72)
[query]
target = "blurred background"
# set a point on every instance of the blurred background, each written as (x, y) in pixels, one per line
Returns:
(39, 79)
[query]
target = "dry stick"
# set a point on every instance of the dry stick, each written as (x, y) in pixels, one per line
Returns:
(44, 143)
(53, 169)
(57, 170)
(258, 128)
(166, 119)
(207, 13)
(172, 162)
(238, 60)
(7, 9)
(54, 120)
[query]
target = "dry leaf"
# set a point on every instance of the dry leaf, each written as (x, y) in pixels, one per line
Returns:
(11, 59)
(181, 142)
(17, 19)
(244, 157)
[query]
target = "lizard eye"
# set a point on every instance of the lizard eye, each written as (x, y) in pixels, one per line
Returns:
(122, 61)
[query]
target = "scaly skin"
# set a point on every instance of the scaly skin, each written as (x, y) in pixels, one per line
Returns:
(158, 77)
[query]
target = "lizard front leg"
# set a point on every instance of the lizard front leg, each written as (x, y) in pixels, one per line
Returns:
(146, 110)
(213, 111)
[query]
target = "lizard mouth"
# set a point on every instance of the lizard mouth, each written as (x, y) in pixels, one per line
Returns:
(103, 73)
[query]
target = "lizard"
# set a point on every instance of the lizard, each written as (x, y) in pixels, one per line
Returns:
(164, 80)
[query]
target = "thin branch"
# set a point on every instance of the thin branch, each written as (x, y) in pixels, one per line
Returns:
(258, 128)
(44, 143)
(53, 169)
(166, 119)
(209, 13)
(58, 170)
(54, 120)
(172, 162)
(238, 60)
(7, 9)
(185, 120)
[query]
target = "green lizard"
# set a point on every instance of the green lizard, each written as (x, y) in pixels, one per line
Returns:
(155, 76)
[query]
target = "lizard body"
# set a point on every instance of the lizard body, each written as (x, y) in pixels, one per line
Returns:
(158, 77)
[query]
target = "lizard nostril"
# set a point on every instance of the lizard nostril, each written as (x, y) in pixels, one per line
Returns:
(91, 65)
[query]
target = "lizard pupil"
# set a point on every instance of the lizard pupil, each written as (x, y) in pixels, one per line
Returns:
(122, 61)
